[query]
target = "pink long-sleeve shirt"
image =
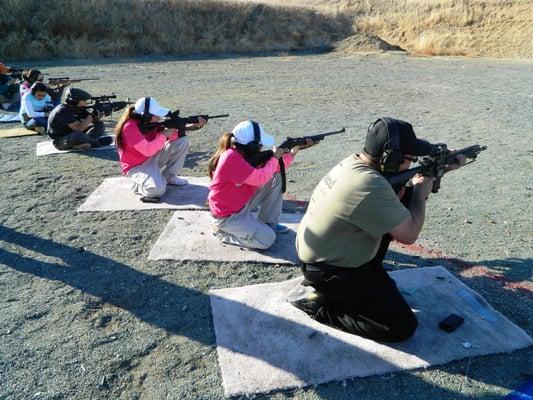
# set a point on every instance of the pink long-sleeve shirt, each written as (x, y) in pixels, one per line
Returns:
(235, 181)
(138, 147)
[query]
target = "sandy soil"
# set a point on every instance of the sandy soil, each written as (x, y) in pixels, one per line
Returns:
(86, 315)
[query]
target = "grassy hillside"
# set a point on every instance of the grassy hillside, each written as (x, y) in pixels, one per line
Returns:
(34, 29)
(486, 28)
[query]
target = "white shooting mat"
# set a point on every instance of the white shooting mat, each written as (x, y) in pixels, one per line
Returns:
(189, 236)
(9, 118)
(115, 194)
(266, 344)
(47, 148)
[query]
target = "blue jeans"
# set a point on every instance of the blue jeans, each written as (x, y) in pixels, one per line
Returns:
(41, 121)
(36, 122)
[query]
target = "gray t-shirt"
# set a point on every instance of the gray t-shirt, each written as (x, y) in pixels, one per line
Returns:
(351, 208)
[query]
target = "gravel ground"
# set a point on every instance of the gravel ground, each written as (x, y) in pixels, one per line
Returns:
(86, 315)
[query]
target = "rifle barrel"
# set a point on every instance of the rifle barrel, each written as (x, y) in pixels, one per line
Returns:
(218, 116)
(342, 130)
(66, 78)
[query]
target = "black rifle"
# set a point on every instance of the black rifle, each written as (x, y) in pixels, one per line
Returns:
(16, 73)
(104, 106)
(174, 121)
(435, 165)
(65, 80)
(263, 156)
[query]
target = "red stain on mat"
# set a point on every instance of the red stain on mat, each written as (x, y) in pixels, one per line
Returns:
(294, 200)
(472, 269)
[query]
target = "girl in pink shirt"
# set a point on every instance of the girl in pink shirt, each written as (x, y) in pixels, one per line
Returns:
(238, 188)
(29, 78)
(151, 160)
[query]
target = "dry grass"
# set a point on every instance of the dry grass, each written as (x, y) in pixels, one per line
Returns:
(487, 28)
(36, 29)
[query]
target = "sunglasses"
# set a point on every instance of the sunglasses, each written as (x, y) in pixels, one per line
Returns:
(410, 158)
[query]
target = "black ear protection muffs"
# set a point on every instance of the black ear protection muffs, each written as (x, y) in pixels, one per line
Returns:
(74, 95)
(254, 146)
(146, 117)
(392, 157)
(71, 98)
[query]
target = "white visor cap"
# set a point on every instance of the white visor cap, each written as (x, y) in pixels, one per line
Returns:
(244, 133)
(154, 108)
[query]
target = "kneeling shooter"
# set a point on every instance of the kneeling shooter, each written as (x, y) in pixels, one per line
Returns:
(238, 187)
(154, 158)
(353, 215)
(71, 126)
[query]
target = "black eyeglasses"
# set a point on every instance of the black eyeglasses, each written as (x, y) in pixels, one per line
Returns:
(410, 158)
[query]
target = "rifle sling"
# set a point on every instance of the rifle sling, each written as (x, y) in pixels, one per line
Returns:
(283, 175)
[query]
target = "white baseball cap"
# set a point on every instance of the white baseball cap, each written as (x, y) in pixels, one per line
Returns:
(244, 133)
(154, 107)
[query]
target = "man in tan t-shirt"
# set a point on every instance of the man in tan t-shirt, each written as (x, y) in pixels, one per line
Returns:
(352, 216)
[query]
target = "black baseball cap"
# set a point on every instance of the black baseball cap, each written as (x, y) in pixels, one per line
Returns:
(378, 136)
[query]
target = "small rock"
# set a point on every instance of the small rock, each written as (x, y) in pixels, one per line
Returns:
(103, 383)
(142, 378)
(467, 221)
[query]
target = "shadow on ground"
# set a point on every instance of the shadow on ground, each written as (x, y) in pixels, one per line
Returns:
(158, 303)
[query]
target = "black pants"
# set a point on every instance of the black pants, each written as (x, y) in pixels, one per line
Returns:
(75, 138)
(364, 300)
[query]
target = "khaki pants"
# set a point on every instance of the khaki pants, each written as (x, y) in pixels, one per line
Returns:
(150, 178)
(244, 229)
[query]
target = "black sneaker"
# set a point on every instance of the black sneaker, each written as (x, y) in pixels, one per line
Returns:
(105, 140)
(150, 199)
(307, 299)
(81, 147)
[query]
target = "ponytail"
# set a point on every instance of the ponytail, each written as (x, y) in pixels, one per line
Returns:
(223, 144)
(125, 117)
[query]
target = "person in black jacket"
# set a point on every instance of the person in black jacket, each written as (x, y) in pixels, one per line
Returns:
(71, 126)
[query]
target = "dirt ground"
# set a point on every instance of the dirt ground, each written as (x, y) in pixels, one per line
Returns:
(85, 315)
